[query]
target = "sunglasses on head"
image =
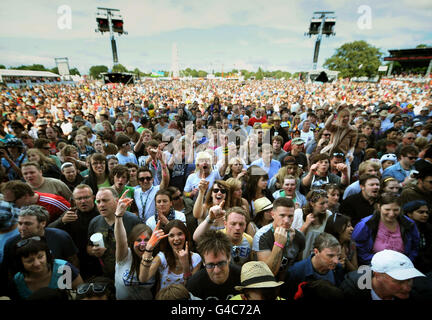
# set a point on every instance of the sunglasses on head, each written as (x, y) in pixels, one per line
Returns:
(24, 242)
(216, 190)
(144, 178)
(176, 198)
(97, 287)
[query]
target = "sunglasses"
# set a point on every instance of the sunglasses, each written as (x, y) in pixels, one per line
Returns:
(338, 154)
(24, 242)
(412, 158)
(213, 265)
(223, 191)
(141, 179)
(176, 198)
(97, 287)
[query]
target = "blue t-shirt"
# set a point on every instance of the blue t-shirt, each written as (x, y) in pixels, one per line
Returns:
(125, 159)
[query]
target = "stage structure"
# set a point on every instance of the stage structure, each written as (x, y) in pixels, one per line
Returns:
(322, 23)
(415, 59)
(63, 68)
(108, 20)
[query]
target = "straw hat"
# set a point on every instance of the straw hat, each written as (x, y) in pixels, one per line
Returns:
(262, 204)
(257, 274)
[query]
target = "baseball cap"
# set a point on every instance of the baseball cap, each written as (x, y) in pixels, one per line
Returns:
(418, 124)
(297, 141)
(257, 274)
(389, 156)
(395, 264)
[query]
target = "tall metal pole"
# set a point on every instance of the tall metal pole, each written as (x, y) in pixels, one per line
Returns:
(317, 43)
(113, 43)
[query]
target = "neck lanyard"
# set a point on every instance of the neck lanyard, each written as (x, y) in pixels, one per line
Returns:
(145, 203)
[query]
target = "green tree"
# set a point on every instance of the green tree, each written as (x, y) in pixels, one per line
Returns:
(33, 67)
(95, 71)
(355, 59)
(74, 72)
(2, 66)
(260, 74)
(422, 45)
(119, 68)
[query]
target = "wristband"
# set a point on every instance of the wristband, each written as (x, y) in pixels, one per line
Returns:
(277, 244)
(209, 221)
(148, 250)
(118, 217)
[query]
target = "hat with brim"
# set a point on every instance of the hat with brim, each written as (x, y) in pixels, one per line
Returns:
(262, 204)
(256, 275)
(395, 264)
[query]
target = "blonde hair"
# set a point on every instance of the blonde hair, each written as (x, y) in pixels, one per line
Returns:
(44, 161)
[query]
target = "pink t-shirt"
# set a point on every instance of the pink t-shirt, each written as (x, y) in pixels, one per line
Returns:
(386, 239)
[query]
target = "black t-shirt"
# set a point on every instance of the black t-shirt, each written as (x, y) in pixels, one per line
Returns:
(264, 240)
(99, 224)
(201, 286)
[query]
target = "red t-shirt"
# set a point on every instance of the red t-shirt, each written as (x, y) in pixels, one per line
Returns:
(253, 120)
(54, 204)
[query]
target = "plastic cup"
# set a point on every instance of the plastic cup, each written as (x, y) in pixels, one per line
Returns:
(97, 239)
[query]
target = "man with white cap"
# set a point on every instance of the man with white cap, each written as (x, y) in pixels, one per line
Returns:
(392, 277)
(257, 283)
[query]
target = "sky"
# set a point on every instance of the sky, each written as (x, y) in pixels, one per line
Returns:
(209, 35)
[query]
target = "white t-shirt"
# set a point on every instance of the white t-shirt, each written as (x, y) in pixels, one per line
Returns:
(130, 288)
(193, 180)
(146, 200)
(167, 277)
(151, 222)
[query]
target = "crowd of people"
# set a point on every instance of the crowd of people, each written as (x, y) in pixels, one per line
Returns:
(209, 189)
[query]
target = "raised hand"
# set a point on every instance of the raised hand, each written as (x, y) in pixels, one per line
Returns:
(203, 185)
(280, 235)
(157, 236)
(217, 211)
(183, 256)
(123, 204)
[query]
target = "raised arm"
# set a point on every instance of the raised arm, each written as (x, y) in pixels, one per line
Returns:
(198, 208)
(150, 265)
(215, 212)
(119, 229)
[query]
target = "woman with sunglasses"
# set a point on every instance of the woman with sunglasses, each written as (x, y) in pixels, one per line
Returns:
(38, 269)
(175, 262)
(217, 194)
(341, 228)
(311, 220)
(129, 251)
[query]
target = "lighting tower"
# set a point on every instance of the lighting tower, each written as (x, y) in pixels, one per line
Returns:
(174, 62)
(321, 24)
(109, 21)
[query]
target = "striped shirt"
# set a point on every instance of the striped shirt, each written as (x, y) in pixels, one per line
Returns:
(54, 204)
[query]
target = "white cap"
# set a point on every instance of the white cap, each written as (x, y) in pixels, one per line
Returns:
(389, 156)
(395, 264)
